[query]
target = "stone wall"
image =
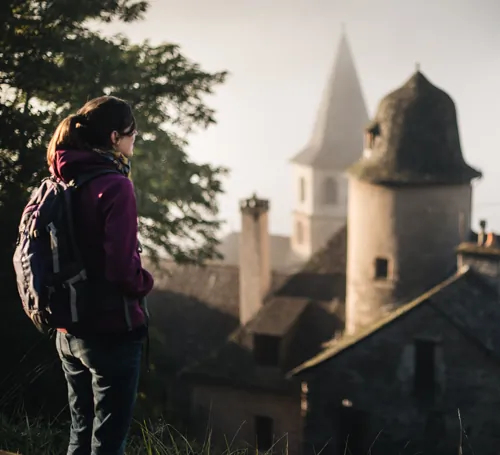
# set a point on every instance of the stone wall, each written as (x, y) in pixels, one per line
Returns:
(416, 229)
(230, 414)
(487, 267)
(376, 376)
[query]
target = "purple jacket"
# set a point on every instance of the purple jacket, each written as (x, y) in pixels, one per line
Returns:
(106, 232)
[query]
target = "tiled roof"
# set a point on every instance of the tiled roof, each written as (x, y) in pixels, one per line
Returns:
(457, 298)
(193, 310)
(309, 304)
(278, 316)
(234, 364)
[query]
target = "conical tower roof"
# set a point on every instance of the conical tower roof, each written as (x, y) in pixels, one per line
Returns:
(416, 139)
(337, 138)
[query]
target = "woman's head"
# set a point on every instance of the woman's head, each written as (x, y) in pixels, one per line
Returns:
(104, 123)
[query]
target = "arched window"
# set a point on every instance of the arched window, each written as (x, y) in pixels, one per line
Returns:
(299, 232)
(302, 189)
(330, 195)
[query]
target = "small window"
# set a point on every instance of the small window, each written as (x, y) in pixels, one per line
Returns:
(264, 432)
(299, 232)
(329, 191)
(369, 140)
(370, 136)
(302, 189)
(425, 371)
(266, 350)
(381, 268)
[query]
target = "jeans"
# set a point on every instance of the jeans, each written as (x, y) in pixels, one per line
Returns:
(102, 378)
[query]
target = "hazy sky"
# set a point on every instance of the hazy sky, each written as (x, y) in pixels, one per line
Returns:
(280, 53)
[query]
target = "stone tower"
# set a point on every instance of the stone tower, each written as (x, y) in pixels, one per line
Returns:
(320, 187)
(409, 202)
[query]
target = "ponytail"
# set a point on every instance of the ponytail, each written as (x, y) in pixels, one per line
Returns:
(91, 127)
(67, 135)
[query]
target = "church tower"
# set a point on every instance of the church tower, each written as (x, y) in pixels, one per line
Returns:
(409, 202)
(320, 187)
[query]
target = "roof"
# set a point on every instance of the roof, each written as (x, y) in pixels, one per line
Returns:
(278, 316)
(234, 365)
(332, 258)
(337, 138)
(416, 139)
(309, 305)
(194, 310)
(455, 298)
(323, 277)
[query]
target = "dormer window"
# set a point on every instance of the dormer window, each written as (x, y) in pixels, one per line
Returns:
(370, 136)
(266, 350)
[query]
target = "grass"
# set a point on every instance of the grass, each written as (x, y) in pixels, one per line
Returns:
(38, 437)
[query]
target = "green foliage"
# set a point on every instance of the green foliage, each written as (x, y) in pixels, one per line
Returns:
(51, 63)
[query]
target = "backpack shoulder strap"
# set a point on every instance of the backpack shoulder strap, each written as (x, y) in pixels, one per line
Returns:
(75, 184)
(82, 179)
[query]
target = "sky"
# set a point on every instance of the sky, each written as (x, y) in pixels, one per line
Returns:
(279, 54)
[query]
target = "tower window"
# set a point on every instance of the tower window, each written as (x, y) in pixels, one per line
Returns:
(329, 191)
(264, 432)
(369, 140)
(381, 268)
(266, 350)
(302, 189)
(370, 136)
(299, 232)
(425, 371)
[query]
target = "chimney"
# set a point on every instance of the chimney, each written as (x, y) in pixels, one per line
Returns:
(255, 266)
(481, 237)
(482, 256)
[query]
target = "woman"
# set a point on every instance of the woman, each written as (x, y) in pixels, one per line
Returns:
(102, 363)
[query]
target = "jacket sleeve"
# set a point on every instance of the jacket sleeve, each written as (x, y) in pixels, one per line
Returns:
(122, 261)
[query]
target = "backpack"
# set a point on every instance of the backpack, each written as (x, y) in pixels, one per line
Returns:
(51, 277)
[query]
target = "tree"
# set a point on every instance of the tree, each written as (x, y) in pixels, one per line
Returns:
(51, 62)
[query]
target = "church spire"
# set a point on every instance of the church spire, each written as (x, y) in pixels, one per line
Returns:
(337, 138)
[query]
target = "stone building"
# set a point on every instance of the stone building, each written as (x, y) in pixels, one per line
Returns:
(240, 391)
(380, 337)
(319, 183)
(418, 365)
(224, 337)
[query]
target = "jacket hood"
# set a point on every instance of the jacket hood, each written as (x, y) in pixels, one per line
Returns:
(68, 164)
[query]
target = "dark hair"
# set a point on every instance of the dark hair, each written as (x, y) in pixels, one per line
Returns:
(92, 125)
